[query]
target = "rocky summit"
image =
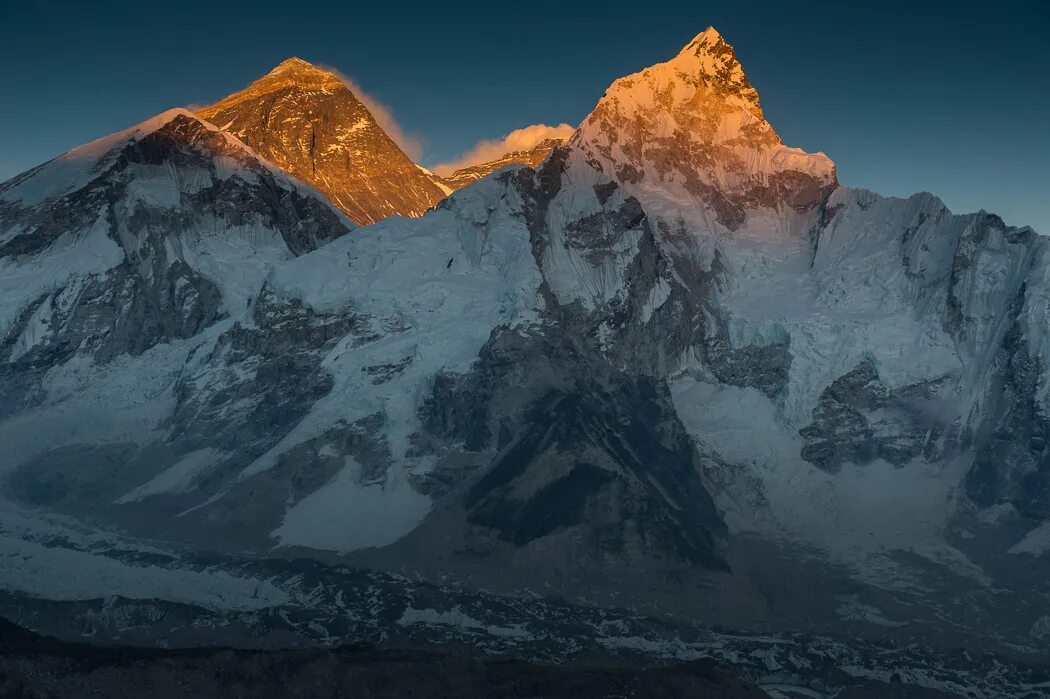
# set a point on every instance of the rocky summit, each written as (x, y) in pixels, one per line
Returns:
(671, 393)
(306, 121)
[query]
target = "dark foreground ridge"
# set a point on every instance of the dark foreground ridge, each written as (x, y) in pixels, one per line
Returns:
(37, 666)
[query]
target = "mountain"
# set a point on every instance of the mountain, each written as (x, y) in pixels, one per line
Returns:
(307, 122)
(145, 238)
(693, 127)
(532, 157)
(676, 379)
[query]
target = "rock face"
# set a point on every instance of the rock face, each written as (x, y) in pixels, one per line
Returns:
(307, 122)
(858, 420)
(668, 369)
(594, 451)
(531, 157)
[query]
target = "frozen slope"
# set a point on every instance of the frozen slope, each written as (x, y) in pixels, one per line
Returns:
(163, 191)
(121, 258)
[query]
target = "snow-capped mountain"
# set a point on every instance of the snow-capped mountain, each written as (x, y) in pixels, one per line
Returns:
(675, 368)
(307, 121)
(693, 128)
(532, 157)
(144, 238)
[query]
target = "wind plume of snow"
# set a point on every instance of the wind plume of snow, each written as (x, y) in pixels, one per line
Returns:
(517, 140)
(412, 145)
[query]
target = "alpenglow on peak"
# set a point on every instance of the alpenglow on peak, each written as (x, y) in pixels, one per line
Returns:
(694, 125)
(308, 122)
(294, 72)
(710, 56)
(294, 63)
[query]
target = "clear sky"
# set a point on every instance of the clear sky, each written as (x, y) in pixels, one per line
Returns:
(948, 97)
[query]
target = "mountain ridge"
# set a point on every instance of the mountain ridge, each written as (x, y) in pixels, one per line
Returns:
(668, 368)
(531, 157)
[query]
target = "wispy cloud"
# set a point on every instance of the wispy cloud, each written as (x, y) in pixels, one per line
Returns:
(411, 144)
(519, 139)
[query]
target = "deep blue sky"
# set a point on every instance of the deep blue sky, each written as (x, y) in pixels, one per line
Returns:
(949, 97)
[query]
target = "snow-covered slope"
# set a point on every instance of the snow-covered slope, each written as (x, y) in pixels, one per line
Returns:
(78, 207)
(308, 122)
(675, 356)
(117, 256)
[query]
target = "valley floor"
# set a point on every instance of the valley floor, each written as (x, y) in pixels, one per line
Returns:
(34, 666)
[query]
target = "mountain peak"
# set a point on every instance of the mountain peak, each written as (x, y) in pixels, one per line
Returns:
(295, 72)
(297, 66)
(305, 120)
(711, 58)
(695, 121)
(295, 63)
(707, 37)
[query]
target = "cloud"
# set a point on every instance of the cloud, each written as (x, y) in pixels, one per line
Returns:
(411, 144)
(519, 139)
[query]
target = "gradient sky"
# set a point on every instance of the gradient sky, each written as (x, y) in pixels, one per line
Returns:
(948, 97)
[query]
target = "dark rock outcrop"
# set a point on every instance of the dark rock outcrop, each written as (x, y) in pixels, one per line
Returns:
(859, 419)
